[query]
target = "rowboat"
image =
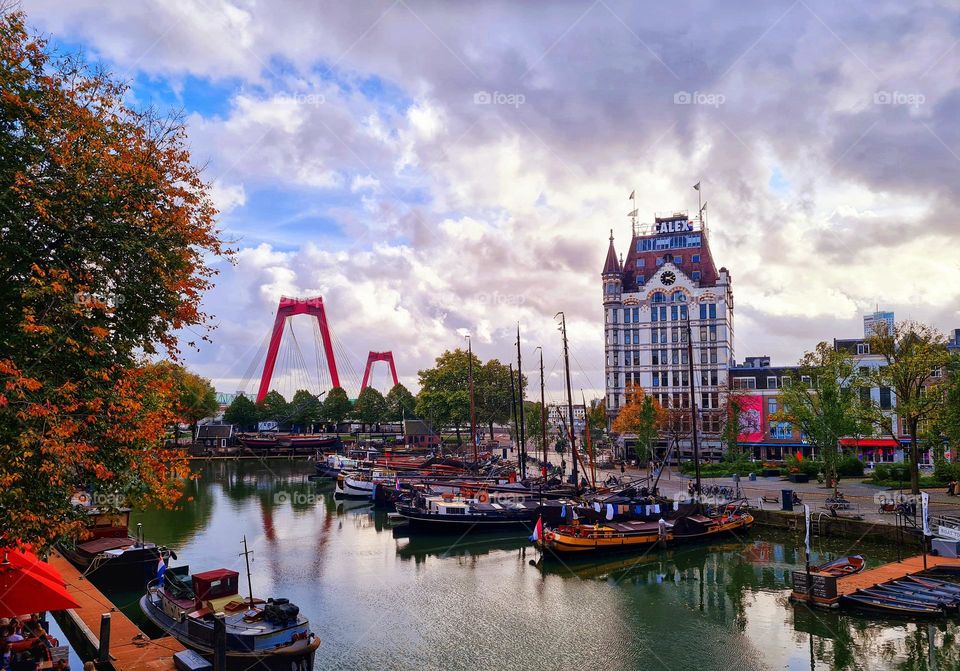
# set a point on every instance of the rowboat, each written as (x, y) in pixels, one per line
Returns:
(841, 566)
(360, 484)
(609, 537)
(891, 606)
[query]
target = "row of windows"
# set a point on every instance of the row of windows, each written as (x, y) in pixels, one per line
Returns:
(773, 382)
(677, 260)
(672, 242)
(671, 378)
(659, 312)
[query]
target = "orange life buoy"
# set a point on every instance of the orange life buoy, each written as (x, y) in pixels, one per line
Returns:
(549, 536)
(483, 497)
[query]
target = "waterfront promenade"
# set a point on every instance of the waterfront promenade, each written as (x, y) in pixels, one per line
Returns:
(130, 648)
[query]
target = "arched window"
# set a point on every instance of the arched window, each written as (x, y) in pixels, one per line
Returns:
(679, 297)
(658, 297)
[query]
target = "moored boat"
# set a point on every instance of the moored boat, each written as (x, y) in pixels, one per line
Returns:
(841, 566)
(360, 484)
(450, 513)
(261, 635)
(610, 537)
(110, 557)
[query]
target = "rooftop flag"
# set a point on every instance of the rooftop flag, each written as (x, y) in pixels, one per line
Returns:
(697, 186)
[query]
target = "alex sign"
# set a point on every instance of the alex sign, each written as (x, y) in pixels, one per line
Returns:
(674, 226)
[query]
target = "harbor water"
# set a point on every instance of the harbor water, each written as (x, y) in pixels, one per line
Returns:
(380, 600)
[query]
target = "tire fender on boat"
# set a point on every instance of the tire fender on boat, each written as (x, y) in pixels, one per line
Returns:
(483, 497)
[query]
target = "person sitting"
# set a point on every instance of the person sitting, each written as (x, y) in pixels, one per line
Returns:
(952, 488)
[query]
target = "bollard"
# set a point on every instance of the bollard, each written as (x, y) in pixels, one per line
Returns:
(104, 651)
(219, 642)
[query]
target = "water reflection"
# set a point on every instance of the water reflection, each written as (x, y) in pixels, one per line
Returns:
(381, 599)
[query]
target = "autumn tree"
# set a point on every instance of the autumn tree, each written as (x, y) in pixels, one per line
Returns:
(823, 401)
(642, 417)
(241, 412)
(400, 403)
(914, 356)
(194, 397)
(108, 244)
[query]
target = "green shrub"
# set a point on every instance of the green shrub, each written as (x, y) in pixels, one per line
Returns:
(945, 471)
(850, 466)
(892, 473)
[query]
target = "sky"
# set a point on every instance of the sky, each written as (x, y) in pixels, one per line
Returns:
(434, 169)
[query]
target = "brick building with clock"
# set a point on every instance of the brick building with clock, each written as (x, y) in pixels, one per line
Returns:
(668, 278)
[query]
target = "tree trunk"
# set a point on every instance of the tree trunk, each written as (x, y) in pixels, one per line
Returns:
(491, 430)
(459, 442)
(914, 459)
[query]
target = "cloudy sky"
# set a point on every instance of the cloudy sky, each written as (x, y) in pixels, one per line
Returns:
(435, 167)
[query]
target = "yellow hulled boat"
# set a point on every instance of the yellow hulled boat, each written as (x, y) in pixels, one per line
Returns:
(607, 537)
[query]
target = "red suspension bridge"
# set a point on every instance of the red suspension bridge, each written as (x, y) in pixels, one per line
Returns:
(284, 348)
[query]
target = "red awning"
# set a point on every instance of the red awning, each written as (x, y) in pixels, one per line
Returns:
(869, 442)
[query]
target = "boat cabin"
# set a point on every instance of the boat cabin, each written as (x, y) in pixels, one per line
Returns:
(447, 506)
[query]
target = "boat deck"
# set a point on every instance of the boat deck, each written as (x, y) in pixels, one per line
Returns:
(849, 584)
(130, 648)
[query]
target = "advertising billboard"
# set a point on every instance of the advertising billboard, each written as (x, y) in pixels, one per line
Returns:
(751, 419)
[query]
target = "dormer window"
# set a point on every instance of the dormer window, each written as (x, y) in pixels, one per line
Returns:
(863, 348)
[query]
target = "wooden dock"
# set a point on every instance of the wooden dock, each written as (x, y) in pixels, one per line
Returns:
(827, 592)
(130, 648)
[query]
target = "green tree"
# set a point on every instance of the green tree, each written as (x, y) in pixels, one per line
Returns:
(730, 433)
(336, 406)
(642, 417)
(108, 244)
(400, 403)
(914, 355)
(370, 408)
(444, 395)
(274, 408)
(828, 407)
(492, 394)
(597, 420)
(305, 409)
(947, 421)
(533, 414)
(242, 412)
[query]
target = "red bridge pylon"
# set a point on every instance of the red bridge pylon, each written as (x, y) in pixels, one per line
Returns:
(379, 356)
(290, 307)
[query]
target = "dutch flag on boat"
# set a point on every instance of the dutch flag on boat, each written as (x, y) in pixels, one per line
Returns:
(161, 569)
(537, 530)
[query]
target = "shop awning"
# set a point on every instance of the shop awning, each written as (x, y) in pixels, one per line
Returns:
(869, 442)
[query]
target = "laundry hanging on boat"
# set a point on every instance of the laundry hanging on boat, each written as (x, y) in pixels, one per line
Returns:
(609, 511)
(596, 506)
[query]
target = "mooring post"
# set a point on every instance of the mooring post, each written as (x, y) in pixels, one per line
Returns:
(104, 652)
(219, 642)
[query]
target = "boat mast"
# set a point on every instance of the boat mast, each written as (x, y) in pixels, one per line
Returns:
(516, 424)
(566, 365)
(543, 413)
(473, 407)
(586, 431)
(693, 405)
(523, 434)
(246, 556)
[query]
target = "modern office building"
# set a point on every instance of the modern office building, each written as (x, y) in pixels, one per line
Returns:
(878, 322)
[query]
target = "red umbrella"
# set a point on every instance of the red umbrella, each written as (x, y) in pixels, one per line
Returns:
(23, 591)
(31, 562)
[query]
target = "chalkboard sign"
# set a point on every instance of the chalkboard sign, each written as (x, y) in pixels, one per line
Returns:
(824, 586)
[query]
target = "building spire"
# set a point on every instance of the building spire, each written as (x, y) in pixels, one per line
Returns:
(612, 265)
